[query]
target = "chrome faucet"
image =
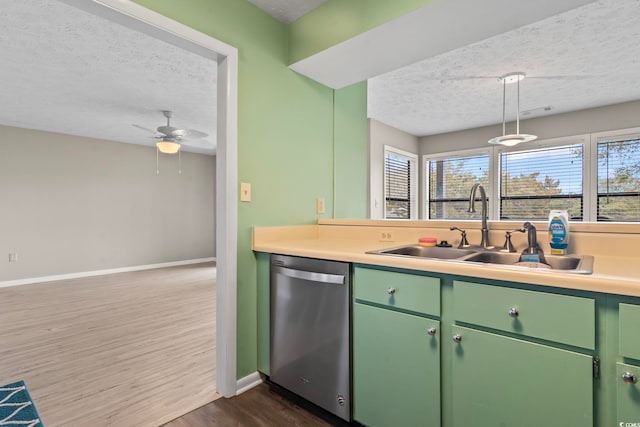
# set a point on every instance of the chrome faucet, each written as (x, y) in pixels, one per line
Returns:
(533, 247)
(532, 239)
(472, 199)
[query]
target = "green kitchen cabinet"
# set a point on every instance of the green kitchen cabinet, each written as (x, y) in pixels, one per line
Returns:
(627, 394)
(396, 368)
(628, 368)
(504, 381)
(512, 364)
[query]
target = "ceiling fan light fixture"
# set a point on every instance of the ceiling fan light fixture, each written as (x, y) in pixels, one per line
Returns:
(517, 138)
(168, 147)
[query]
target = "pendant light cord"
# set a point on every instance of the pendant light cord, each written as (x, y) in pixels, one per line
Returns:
(518, 110)
(504, 101)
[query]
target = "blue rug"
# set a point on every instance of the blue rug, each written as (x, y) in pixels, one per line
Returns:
(16, 406)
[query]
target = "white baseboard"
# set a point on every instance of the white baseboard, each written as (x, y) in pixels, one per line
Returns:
(247, 383)
(41, 279)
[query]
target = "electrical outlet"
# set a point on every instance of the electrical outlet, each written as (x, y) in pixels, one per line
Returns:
(386, 236)
(320, 205)
(13, 257)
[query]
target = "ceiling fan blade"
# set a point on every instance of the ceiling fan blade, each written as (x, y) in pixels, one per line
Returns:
(145, 129)
(194, 134)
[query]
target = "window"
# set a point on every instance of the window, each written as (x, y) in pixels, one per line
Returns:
(400, 189)
(449, 181)
(618, 197)
(533, 182)
(596, 177)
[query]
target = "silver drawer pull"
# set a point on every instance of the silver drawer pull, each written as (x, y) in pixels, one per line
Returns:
(629, 378)
(391, 291)
(457, 338)
(513, 312)
(431, 331)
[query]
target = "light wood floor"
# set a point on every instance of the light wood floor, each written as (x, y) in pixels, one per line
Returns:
(129, 349)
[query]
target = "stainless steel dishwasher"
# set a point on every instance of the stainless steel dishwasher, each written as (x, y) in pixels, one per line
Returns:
(310, 331)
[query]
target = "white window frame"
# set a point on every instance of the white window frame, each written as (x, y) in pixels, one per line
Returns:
(427, 158)
(583, 139)
(413, 195)
(592, 168)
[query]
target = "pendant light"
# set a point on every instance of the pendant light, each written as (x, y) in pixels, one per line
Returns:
(517, 138)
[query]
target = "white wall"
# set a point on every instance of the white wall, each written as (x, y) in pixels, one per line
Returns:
(379, 136)
(611, 117)
(72, 204)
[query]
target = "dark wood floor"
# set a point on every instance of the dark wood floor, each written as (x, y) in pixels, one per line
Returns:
(261, 406)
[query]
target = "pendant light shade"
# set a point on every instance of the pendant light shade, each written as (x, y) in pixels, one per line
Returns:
(168, 147)
(517, 138)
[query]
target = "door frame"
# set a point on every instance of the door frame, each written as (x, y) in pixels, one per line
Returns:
(141, 19)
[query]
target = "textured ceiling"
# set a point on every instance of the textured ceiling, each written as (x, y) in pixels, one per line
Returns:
(587, 57)
(68, 71)
(287, 10)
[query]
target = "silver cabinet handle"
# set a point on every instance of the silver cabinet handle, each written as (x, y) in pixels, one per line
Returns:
(513, 312)
(391, 291)
(629, 378)
(310, 276)
(457, 338)
(431, 331)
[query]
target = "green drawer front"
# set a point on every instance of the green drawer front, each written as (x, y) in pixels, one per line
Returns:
(628, 395)
(416, 293)
(563, 319)
(629, 321)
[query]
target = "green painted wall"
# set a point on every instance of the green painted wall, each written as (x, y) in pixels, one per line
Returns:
(285, 137)
(350, 151)
(338, 20)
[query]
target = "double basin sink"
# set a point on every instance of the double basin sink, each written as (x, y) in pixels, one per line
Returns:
(576, 264)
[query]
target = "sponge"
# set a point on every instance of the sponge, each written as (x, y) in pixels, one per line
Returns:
(427, 241)
(530, 258)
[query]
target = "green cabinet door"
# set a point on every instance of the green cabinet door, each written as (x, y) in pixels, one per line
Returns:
(628, 394)
(396, 368)
(507, 382)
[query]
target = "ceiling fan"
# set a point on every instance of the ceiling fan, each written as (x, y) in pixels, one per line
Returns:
(170, 137)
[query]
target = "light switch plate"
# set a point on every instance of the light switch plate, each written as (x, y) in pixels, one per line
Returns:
(245, 192)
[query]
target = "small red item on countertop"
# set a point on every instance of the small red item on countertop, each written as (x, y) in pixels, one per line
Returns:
(427, 241)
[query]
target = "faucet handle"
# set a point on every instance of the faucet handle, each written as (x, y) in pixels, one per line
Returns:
(508, 246)
(463, 237)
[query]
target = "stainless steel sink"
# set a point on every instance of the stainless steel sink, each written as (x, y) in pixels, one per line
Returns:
(576, 264)
(566, 263)
(434, 252)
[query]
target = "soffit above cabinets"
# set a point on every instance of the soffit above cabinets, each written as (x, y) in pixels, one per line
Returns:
(287, 10)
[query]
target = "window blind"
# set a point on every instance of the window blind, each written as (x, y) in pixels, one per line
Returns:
(533, 182)
(397, 178)
(619, 179)
(450, 181)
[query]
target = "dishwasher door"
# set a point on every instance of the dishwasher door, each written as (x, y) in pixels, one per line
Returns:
(310, 331)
